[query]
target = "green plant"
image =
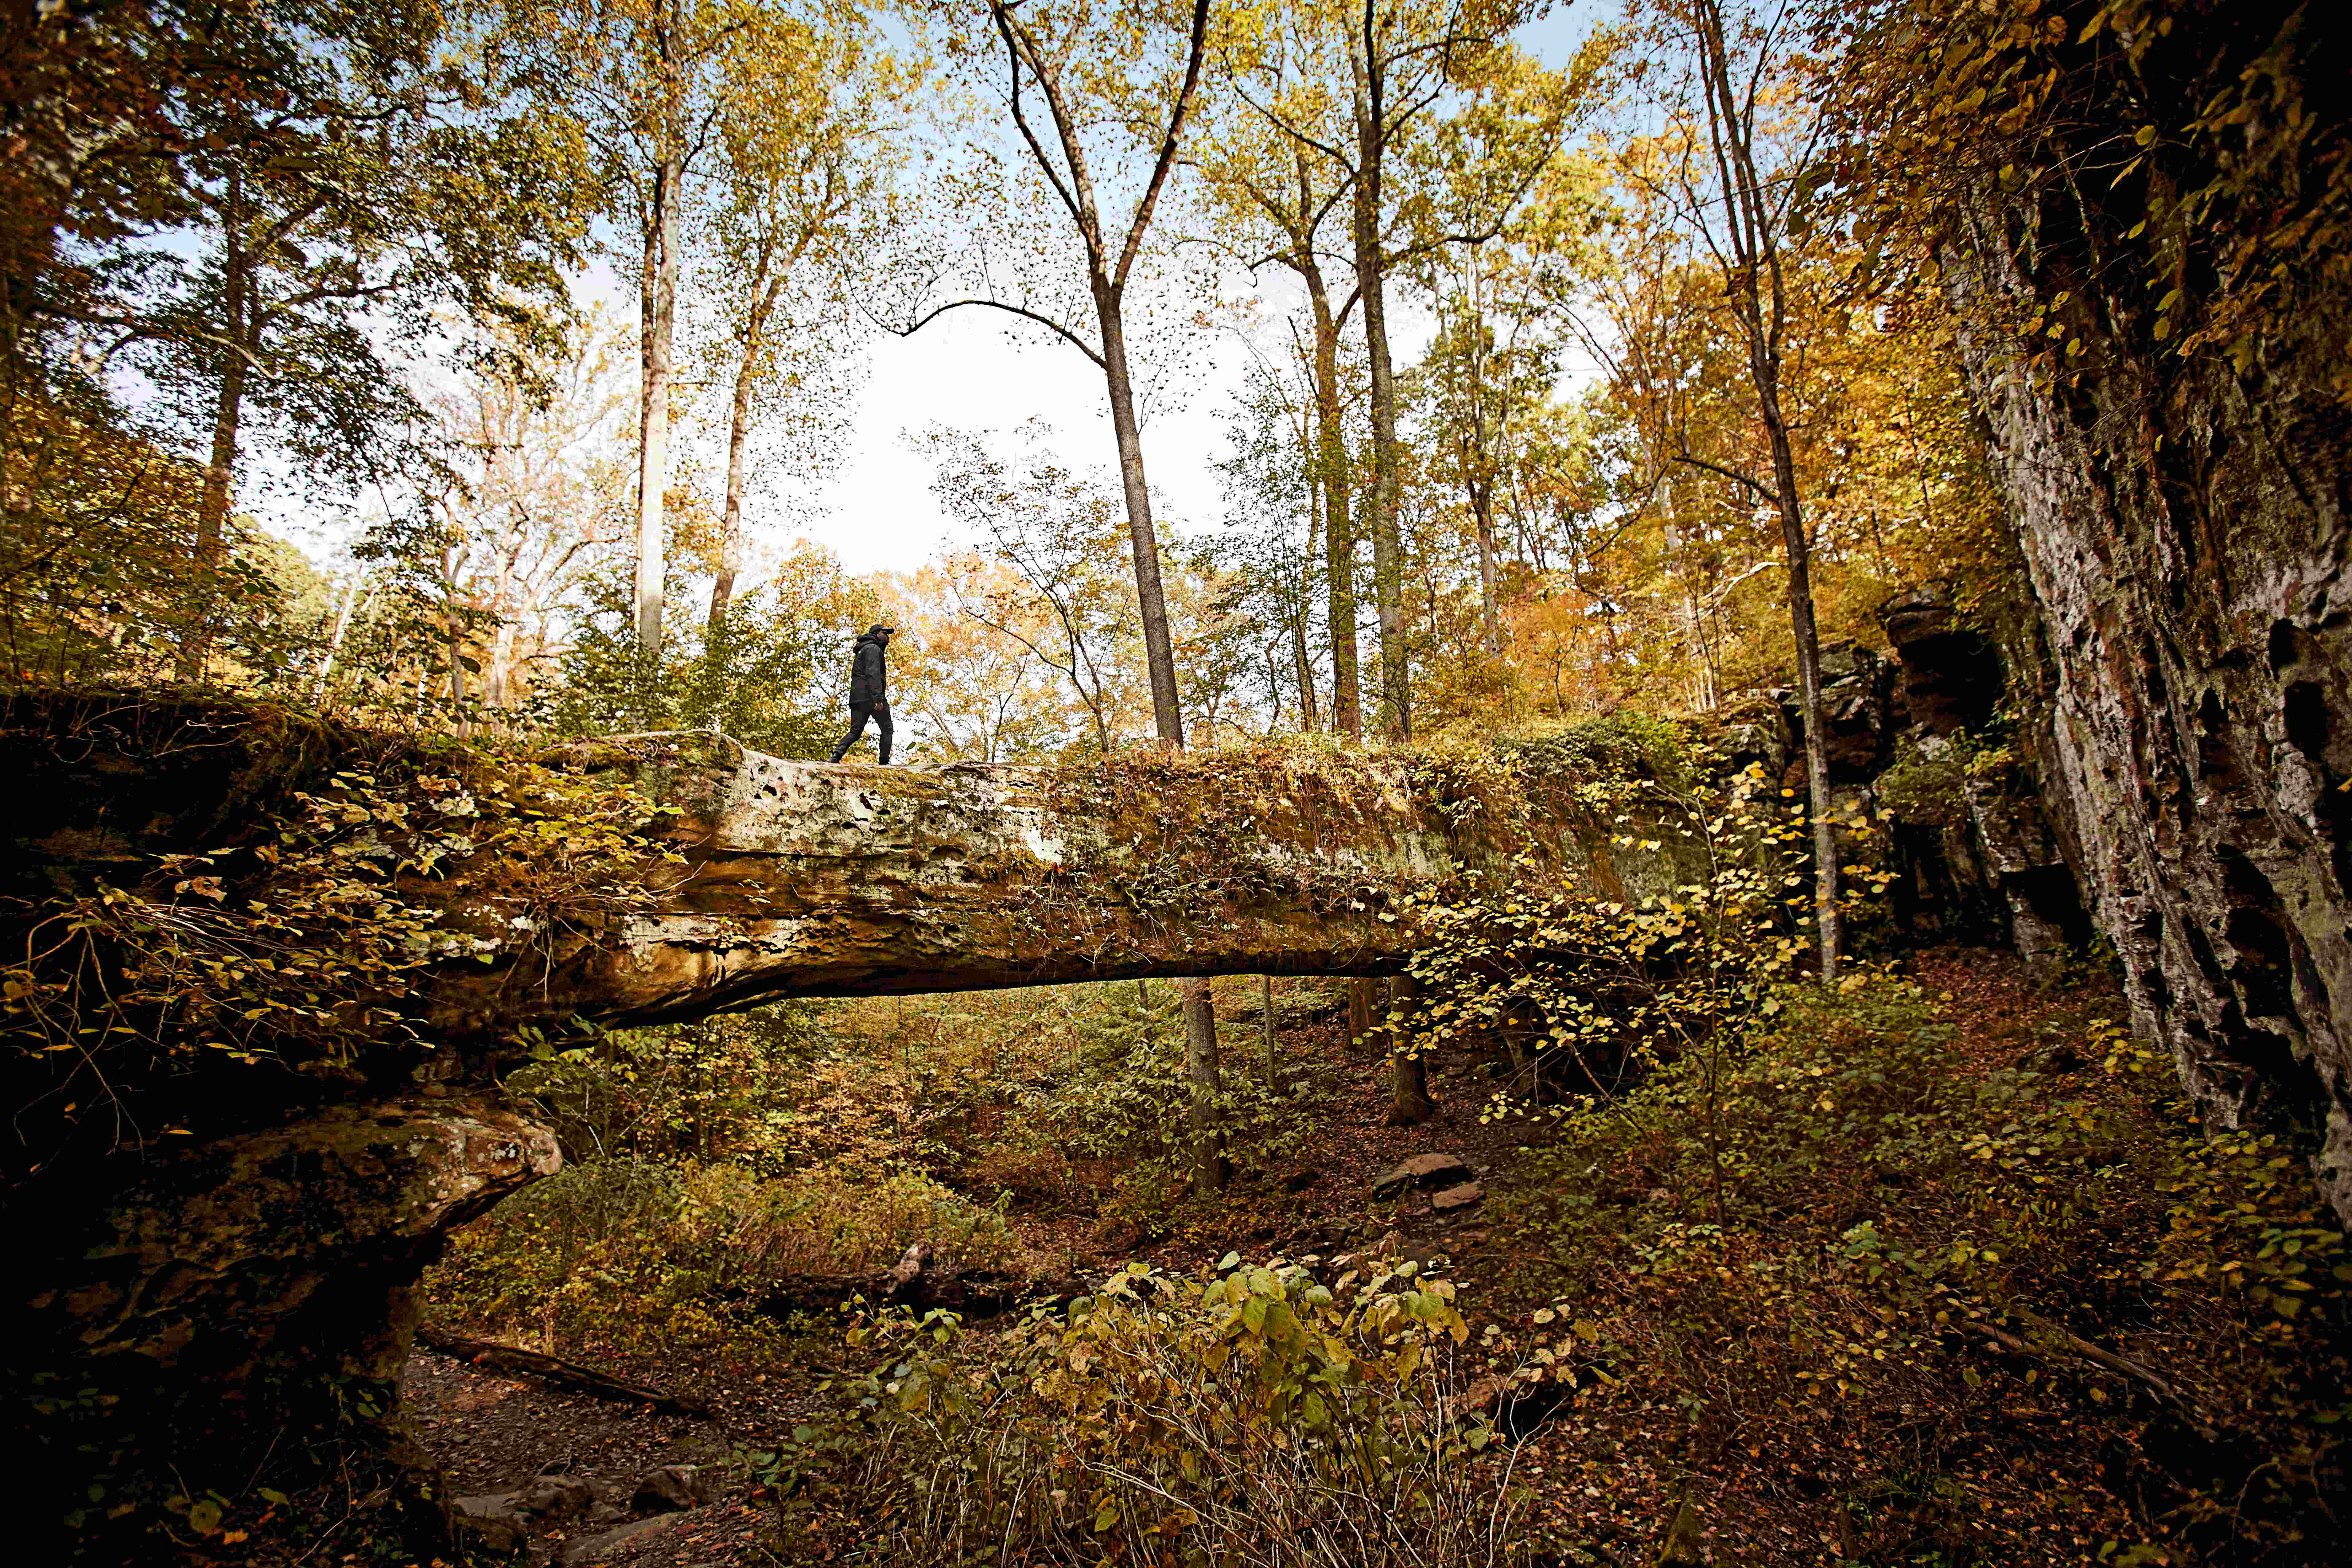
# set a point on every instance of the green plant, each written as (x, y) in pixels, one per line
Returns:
(626, 1254)
(1247, 1413)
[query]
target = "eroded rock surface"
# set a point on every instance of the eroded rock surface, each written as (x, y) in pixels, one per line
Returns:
(2183, 525)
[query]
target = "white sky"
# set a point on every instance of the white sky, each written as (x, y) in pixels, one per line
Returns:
(966, 371)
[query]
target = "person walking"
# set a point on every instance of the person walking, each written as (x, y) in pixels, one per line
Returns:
(870, 692)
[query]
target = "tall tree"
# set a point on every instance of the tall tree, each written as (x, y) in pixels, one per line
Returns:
(1275, 184)
(1746, 142)
(803, 178)
(1403, 62)
(271, 241)
(1116, 88)
(646, 84)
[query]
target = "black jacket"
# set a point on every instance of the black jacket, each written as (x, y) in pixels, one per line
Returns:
(867, 683)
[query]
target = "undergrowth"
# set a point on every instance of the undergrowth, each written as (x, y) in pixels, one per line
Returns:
(1886, 1287)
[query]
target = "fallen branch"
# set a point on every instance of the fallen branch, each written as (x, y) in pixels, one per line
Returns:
(2083, 1349)
(564, 1374)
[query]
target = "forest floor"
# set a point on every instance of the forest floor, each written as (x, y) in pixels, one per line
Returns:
(493, 1432)
(1795, 1395)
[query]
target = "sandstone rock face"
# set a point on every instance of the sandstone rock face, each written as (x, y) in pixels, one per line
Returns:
(805, 879)
(2183, 527)
(225, 1255)
(249, 1295)
(1997, 854)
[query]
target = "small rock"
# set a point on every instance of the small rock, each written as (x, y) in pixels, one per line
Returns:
(594, 1549)
(556, 1497)
(671, 1488)
(1423, 1171)
(1454, 1199)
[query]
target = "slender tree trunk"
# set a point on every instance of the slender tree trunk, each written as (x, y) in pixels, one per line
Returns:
(1167, 712)
(497, 687)
(1339, 524)
(1827, 918)
(1482, 509)
(1265, 1028)
(350, 605)
(1200, 1067)
(1159, 649)
(1408, 1101)
(228, 412)
(653, 462)
(1359, 1009)
(730, 540)
(1302, 662)
(1753, 279)
(739, 431)
(1381, 501)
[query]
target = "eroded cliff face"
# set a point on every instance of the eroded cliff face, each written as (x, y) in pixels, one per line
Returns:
(2183, 526)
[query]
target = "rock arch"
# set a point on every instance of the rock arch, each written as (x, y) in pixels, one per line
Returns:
(247, 1273)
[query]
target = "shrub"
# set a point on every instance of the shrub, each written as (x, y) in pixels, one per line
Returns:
(1249, 1416)
(620, 1252)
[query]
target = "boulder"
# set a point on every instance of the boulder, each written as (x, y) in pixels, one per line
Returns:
(491, 1522)
(555, 1497)
(1424, 1171)
(671, 1489)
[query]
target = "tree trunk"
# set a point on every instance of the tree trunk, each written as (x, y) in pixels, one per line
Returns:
(1359, 1009)
(731, 538)
(1482, 508)
(1338, 526)
(1201, 1068)
(351, 607)
(1159, 649)
(1159, 654)
(1302, 660)
(1408, 1101)
(228, 410)
(653, 459)
(1302, 664)
(1381, 500)
(1265, 1028)
(457, 638)
(1826, 916)
(1752, 278)
(497, 680)
(739, 431)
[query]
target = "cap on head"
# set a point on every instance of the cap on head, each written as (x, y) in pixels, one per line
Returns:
(881, 629)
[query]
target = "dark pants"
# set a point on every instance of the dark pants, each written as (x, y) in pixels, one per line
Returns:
(858, 713)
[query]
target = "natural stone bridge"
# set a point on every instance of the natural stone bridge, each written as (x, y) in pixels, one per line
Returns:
(224, 1213)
